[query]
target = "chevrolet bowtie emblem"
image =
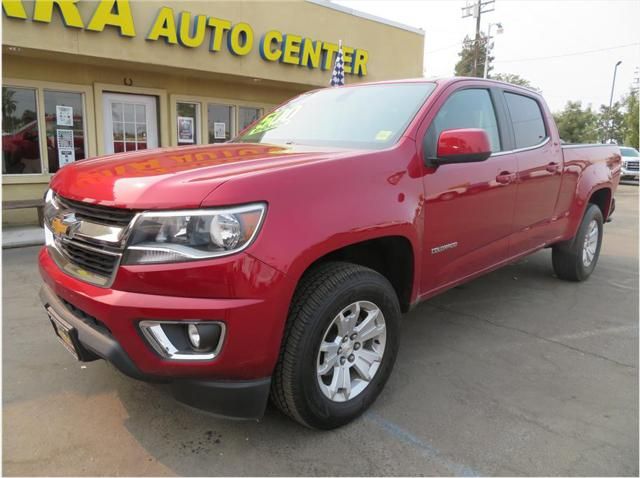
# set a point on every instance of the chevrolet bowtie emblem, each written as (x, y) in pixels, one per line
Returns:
(65, 224)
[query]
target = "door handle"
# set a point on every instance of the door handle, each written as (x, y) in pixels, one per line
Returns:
(552, 167)
(505, 177)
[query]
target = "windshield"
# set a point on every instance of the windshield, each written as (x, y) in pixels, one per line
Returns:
(629, 152)
(367, 117)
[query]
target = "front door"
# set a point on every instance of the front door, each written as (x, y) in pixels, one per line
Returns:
(130, 122)
(469, 207)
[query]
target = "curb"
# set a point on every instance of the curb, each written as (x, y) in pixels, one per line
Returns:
(16, 245)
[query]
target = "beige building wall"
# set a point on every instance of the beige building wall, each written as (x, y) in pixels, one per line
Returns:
(54, 56)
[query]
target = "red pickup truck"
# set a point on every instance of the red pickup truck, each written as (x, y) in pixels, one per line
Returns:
(278, 264)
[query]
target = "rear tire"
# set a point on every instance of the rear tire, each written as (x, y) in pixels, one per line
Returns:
(576, 259)
(328, 310)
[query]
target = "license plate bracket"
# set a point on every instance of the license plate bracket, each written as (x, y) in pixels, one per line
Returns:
(66, 333)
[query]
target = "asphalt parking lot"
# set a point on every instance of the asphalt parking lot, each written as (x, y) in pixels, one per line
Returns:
(515, 373)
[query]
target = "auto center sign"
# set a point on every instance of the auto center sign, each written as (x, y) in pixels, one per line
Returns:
(190, 30)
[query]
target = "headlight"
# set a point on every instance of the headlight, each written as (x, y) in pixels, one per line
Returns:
(178, 236)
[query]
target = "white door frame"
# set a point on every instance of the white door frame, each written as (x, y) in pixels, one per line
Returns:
(150, 103)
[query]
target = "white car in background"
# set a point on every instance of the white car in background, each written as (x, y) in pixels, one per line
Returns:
(630, 162)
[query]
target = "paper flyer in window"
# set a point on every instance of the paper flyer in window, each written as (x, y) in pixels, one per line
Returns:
(185, 130)
(66, 149)
(64, 115)
(219, 131)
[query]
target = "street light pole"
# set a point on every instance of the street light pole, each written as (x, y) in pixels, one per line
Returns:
(613, 84)
(486, 46)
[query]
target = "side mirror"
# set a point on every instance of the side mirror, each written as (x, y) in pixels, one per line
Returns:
(462, 146)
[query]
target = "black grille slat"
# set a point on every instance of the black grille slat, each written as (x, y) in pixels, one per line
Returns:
(633, 165)
(92, 261)
(106, 267)
(100, 214)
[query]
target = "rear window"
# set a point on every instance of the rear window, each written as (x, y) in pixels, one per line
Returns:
(526, 117)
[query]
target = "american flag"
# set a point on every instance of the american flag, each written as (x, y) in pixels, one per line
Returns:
(337, 79)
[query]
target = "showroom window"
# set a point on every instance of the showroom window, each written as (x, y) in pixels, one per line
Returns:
(188, 123)
(64, 119)
(20, 131)
(208, 120)
(247, 115)
(220, 121)
(43, 127)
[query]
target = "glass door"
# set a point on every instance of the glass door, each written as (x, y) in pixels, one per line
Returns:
(130, 122)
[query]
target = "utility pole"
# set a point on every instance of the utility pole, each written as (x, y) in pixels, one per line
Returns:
(475, 10)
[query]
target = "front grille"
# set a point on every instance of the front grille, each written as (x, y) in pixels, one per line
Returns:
(100, 214)
(633, 165)
(91, 260)
(93, 243)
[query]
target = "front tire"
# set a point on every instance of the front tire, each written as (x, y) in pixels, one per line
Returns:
(339, 347)
(576, 260)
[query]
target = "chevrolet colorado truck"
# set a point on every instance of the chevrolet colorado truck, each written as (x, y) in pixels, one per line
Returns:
(278, 264)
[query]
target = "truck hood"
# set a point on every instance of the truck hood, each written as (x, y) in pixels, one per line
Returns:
(180, 177)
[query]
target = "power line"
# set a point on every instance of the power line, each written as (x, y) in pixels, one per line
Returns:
(568, 54)
(443, 48)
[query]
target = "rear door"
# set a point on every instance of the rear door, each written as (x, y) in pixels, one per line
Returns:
(539, 171)
(469, 207)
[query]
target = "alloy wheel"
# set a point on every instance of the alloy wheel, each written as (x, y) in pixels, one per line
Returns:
(351, 351)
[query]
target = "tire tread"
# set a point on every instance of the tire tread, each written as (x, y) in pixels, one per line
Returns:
(312, 290)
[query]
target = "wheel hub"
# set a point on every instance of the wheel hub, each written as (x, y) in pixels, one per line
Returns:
(351, 351)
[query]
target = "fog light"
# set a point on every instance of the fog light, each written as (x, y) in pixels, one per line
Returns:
(194, 335)
(183, 340)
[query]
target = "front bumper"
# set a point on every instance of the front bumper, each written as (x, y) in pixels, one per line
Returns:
(236, 399)
(235, 383)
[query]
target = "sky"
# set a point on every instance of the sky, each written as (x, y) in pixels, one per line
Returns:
(535, 31)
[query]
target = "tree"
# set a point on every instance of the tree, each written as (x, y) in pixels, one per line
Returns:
(514, 80)
(465, 65)
(577, 125)
(611, 124)
(631, 124)
(8, 108)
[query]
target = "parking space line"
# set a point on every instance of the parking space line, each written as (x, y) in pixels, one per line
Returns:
(426, 449)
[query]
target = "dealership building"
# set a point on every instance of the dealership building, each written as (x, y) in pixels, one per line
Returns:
(89, 78)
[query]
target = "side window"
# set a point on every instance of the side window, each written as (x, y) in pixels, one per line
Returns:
(528, 125)
(470, 108)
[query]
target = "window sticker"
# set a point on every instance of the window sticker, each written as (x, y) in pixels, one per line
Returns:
(185, 129)
(219, 130)
(279, 117)
(383, 135)
(64, 115)
(66, 150)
